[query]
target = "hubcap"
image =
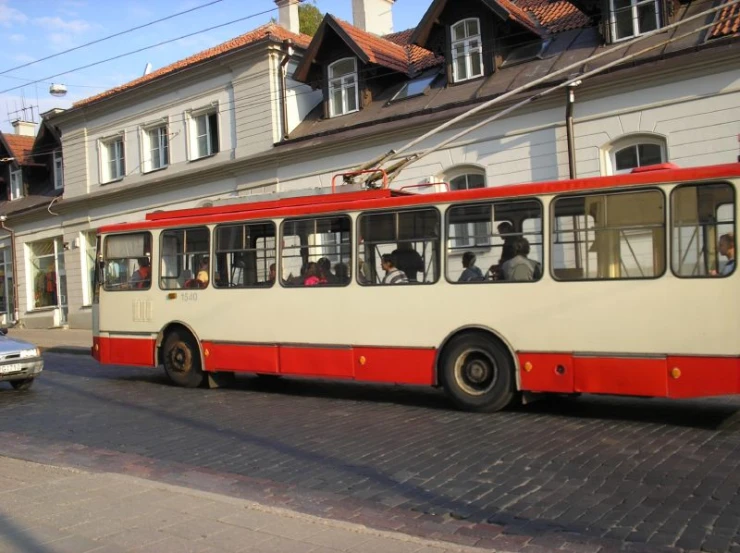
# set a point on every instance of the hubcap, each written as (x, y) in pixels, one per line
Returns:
(476, 372)
(180, 359)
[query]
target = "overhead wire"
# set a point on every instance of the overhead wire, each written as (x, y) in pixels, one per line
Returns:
(273, 95)
(142, 49)
(114, 35)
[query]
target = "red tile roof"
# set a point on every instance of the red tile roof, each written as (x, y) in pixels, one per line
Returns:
(378, 50)
(419, 58)
(556, 16)
(727, 22)
(268, 31)
(519, 15)
(20, 147)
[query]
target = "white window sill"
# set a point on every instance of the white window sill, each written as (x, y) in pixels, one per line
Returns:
(157, 170)
(202, 157)
(119, 179)
(43, 309)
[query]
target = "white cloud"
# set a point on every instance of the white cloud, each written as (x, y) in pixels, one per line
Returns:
(10, 16)
(17, 38)
(23, 58)
(58, 24)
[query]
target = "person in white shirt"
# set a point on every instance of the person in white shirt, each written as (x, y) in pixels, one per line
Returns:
(392, 274)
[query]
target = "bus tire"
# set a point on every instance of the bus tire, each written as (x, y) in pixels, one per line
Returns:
(477, 373)
(182, 360)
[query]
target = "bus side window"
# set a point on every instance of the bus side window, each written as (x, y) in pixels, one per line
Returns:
(184, 258)
(703, 230)
(316, 252)
(126, 263)
(608, 236)
(244, 255)
(411, 238)
(495, 242)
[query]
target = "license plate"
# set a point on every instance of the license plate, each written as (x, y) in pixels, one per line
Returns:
(12, 368)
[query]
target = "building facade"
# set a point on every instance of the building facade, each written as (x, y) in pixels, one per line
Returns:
(277, 111)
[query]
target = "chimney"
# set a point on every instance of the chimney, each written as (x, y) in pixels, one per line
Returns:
(24, 128)
(288, 15)
(373, 16)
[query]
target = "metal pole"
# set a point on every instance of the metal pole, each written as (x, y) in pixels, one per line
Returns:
(571, 97)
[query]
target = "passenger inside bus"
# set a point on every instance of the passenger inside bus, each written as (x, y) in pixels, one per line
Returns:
(325, 274)
(727, 249)
(393, 275)
(142, 276)
(202, 276)
(408, 260)
(313, 275)
(471, 272)
(520, 267)
(341, 271)
(272, 275)
(506, 231)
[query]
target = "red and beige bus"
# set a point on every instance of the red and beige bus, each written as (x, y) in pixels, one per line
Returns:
(619, 285)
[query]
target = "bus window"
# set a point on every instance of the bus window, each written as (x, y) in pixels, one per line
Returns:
(127, 262)
(410, 238)
(702, 221)
(609, 236)
(184, 257)
(506, 244)
(316, 251)
(245, 254)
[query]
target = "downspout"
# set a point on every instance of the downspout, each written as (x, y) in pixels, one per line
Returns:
(571, 98)
(288, 44)
(10, 231)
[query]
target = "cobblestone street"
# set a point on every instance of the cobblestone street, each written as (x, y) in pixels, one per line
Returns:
(587, 474)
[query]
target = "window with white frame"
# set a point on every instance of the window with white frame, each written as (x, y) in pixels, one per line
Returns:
(113, 159)
(58, 171)
(156, 148)
(467, 51)
(467, 235)
(43, 274)
(87, 249)
(204, 133)
(343, 87)
(631, 18)
(638, 151)
(16, 184)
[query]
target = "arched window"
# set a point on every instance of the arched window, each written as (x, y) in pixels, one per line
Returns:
(343, 87)
(467, 235)
(635, 151)
(467, 53)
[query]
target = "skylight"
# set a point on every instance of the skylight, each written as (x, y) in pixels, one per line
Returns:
(414, 87)
(527, 52)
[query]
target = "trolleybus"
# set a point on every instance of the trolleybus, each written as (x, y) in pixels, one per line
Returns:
(619, 285)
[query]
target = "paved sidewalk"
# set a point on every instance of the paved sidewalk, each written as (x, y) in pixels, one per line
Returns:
(56, 339)
(48, 509)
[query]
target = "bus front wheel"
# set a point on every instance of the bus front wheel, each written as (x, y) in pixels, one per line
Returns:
(477, 373)
(182, 360)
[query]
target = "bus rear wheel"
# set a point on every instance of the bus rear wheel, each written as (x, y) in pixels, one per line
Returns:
(477, 373)
(182, 360)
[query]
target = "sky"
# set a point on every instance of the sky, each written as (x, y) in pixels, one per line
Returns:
(36, 29)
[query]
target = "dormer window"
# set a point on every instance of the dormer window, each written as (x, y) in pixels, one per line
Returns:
(343, 87)
(630, 18)
(467, 53)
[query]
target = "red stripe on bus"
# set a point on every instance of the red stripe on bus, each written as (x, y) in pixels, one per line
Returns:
(116, 350)
(368, 201)
(703, 376)
(367, 364)
(672, 376)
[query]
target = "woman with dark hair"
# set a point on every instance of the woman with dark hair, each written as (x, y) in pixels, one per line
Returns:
(471, 272)
(520, 267)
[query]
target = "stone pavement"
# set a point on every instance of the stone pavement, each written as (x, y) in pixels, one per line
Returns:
(47, 509)
(56, 339)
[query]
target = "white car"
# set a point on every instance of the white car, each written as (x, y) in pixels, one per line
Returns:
(20, 361)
